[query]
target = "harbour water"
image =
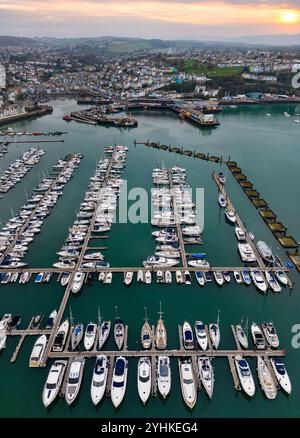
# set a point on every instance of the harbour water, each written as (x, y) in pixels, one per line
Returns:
(267, 148)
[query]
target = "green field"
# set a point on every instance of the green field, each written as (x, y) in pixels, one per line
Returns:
(127, 47)
(195, 67)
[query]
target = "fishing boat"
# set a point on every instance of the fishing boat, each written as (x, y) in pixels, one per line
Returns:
(259, 280)
(54, 381)
(265, 378)
(160, 332)
(265, 252)
(219, 278)
(146, 333)
(206, 373)
(187, 383)
(128, 277)
(119, 381)
(61, 336)
(257, 337)
(51, 319)
(214, 332)
(272, 281)
(187, 336)
(144, 378)
(37, 352)
(230, 215)
(281, 374)
(201, 335)
(74, 379)
(270, 333)
(90, 336)
(77, 282)
(245, 375)
(222, 200)
(99, 379)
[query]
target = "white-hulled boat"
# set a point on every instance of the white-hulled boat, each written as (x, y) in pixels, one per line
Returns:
(168, 277)
(257, 337)
(51, 319)
(160, 332)
(206, 373)
(282, 277)
(222, 200)
(219, 278)
(104, 331)
(148, 277)
(214, 332)
(90, 336)
(163, 375)
(99, 379)
(272, 281)
(270, 333)
(128, 277)
(78, 282)
(179, 277)
(146, 333)
(61, 336)
(241, 336)
(238, 277)
(144, 378)
(259, 280)
(119, 381)
(201, 335)
(187, 382)
(265, 251)
(200, 278)
(240, 235)
(140, 276)
(187, 336)
(54, 381)
(265, 378)
(119, 331)
(76, 336)
(246, 252)
(74, 379)
(245, 375)
(281, 374)
(38, 351)
(246, 276)
(230, 215)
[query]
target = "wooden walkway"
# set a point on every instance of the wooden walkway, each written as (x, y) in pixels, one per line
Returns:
(170, 353)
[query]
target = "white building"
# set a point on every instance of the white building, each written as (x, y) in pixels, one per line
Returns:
(2, 77)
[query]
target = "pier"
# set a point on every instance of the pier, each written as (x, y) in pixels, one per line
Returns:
(239, 222)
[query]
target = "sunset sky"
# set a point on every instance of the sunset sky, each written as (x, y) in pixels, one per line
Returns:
(194, 19)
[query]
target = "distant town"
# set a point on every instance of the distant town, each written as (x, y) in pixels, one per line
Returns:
(33, 74)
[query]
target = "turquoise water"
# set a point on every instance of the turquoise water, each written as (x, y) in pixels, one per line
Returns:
(268, 151)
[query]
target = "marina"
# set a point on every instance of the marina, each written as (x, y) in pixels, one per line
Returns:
(230, 298)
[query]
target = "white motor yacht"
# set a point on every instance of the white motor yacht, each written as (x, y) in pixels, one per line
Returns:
(90, 336)
(163, 375)
(187, 382)
(74, 379)
(78, 282)
(144, 378)
(281, 374)
(54, 381)
(201, 335)
(206, 373)
(245, 375)
(98, 384)
(38, 351)
(119, 381)
(265, 378)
